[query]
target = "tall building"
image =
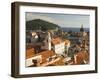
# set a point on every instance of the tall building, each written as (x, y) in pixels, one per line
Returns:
(82, 29)
(49, 41)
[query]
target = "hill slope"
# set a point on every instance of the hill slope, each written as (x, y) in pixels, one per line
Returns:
(40, 24)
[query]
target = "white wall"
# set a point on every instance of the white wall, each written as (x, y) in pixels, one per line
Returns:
(59, 48)
(5, 43)
(29, 60)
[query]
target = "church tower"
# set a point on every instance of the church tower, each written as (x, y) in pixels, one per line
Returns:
(49, 41)
(82, 30)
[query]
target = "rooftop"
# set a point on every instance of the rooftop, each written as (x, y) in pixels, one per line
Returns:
(46, 54)
(82, 56)
(30, 53)
(66, 41)
(56, 41)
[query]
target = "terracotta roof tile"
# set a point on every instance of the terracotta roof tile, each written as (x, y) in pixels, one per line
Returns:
(46, 54)
(66, 41)
(56, 41)
(82, 56)
(30, 53)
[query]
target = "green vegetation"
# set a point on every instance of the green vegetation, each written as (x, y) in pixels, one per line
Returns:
(38, 24)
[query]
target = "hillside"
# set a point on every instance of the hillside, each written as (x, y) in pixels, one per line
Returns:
(40, 24)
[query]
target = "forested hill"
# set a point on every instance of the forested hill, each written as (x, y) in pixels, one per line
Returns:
(40, 24)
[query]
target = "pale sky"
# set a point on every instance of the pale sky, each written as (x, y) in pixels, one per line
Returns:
(63, 20)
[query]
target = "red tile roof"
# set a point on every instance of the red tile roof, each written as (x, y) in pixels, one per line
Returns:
(46, 54)
(56, 41)
(66, 41)
(30, 53)
(81, 56)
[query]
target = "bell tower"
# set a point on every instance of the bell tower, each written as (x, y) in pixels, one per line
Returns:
(82, 30)
(49, 41)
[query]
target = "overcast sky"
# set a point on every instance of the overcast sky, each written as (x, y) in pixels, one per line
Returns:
(63, 20)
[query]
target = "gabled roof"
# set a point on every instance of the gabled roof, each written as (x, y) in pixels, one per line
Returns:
(82, 56)
(46, 54)
(57, 40)
(30, 53)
